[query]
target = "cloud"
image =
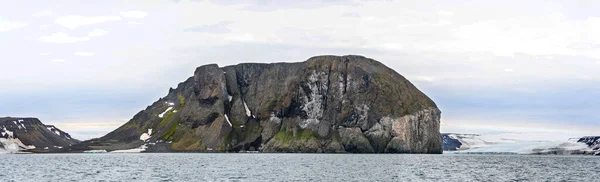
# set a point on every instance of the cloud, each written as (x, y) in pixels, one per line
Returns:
(351, 15)
(58, 60)
(424, 78)
(134, 14)
(445, 13)
(42, 13)
(10, 25)
(97, 33)
(62, 38)
(84, 54)
(76, 21)
(453, 57)
(44, 54)
(220, 27)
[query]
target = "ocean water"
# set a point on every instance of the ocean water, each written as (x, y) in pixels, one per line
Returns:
(296, 167)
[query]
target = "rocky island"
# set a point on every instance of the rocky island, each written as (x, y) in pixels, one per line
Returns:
(327, 104)
(31, 135)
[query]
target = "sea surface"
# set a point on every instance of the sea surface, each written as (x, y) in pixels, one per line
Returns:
(296, 167)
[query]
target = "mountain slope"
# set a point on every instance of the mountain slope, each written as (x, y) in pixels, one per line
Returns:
(325, 104)
(593, 142)
(21, 134)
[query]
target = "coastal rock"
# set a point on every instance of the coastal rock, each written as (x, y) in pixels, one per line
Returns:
(31, 135)
(326, 104)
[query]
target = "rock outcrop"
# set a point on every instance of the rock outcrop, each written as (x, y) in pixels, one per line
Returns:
(450, 143)
(30, 134)
(593, 142)
(326, 104)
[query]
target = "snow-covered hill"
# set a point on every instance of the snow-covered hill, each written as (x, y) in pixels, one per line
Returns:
(515, 143)
(593, 142)
(30, 134)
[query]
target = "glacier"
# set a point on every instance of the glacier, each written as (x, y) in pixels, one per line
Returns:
(518, 143)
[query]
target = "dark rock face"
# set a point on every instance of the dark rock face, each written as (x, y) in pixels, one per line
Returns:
(593, 142)
(31, 134)
(325, 104)
(449, 143)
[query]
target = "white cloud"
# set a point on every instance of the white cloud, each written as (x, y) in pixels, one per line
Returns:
(445, 13)
(44, 54)
(84, 54)
(134, 14)
(133, 23)
(58, 60)
(424, 78)
(43, 26)
(42, 13)
(76, 21)
(509, 70)
(97, 33)
(62, 38)
(10, 25)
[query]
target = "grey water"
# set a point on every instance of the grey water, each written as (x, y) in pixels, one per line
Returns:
(296, 167)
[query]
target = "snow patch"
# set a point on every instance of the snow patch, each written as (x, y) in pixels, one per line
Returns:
(94, 151)
(21, 123)
(161, 115)
(230, 98)
(8, 132)
(136, 150)
(227, 119)
(171, 104)
(10, 146)
(146, 136)
(248, 113)
(53, 129)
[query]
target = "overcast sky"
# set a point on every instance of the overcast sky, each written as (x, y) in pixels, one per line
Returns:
(89, 66)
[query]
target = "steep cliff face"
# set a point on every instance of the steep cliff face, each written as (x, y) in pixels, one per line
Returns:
(30, 134)
(325, 104)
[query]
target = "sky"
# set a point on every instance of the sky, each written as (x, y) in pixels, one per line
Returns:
(521, 66)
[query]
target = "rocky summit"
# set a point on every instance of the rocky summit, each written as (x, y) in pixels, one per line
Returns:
(327, 104)
(31, 135)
